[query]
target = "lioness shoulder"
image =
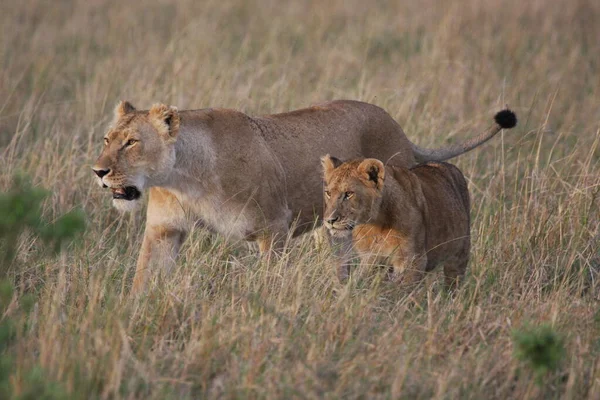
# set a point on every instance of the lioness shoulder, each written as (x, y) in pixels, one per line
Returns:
(415, 218)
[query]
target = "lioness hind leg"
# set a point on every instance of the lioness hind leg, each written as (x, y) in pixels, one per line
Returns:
(267, 244)
(272, 242)
(270, 247)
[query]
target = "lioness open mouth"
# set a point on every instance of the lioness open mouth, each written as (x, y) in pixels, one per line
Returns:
(127, 193)
(341, 229)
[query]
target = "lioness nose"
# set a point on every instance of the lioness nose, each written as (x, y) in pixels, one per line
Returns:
(101, 172)
(332, 220)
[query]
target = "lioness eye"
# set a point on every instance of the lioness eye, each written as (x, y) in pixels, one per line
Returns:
(106, 141)
(131, 142)
(348, 195)
(327, 194)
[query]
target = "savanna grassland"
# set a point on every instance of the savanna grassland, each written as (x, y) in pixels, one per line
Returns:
(226, 324)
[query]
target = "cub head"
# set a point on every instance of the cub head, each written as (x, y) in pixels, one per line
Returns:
(139, 152)
(353, 192)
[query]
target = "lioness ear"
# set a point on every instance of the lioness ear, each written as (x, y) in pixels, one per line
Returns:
(372, 171)
(329, 163)
(124, 107)
(165, 119)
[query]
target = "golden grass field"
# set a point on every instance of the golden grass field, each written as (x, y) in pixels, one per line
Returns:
(225, 324)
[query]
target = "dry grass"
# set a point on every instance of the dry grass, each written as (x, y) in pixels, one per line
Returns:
(225, 325)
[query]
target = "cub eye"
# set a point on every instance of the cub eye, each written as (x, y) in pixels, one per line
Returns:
(348, 195)
(131, 142)
(106, 141)
(327, 194)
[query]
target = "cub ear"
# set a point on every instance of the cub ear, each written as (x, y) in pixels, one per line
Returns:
(372, 172)
(165, 119)
(329, 163)
(124, 107)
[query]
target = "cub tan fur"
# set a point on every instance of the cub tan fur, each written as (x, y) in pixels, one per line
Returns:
(416, 218)
(245, 177)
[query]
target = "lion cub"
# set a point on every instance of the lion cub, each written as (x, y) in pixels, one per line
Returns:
(416, 218)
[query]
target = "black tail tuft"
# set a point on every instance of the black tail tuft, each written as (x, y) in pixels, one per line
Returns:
(506, 119)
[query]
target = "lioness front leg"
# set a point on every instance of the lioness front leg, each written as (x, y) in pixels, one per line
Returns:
(166, 230)
(160, 247)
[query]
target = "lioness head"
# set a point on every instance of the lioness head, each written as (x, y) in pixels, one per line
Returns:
(138, 152)
(353, 192)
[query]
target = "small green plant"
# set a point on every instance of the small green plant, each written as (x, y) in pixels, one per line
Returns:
(541, 347)
(21, 211)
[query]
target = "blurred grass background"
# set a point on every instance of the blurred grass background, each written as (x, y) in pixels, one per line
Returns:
(226, 325)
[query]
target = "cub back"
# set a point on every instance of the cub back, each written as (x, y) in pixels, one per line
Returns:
(448, 211)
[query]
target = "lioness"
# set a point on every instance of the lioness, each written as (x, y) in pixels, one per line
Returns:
(416, 218)
(244, 177)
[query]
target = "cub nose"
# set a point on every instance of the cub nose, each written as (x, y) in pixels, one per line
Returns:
(331, 220)
(101, 172)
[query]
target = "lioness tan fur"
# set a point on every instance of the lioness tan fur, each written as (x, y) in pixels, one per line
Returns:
(416, 218)
(245, 177)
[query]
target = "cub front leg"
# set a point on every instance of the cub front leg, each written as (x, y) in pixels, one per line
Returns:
(165, 232)
(408, 269)
(341, 249)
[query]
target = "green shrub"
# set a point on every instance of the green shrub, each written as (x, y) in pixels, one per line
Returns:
(540, 347)
(21, 211)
